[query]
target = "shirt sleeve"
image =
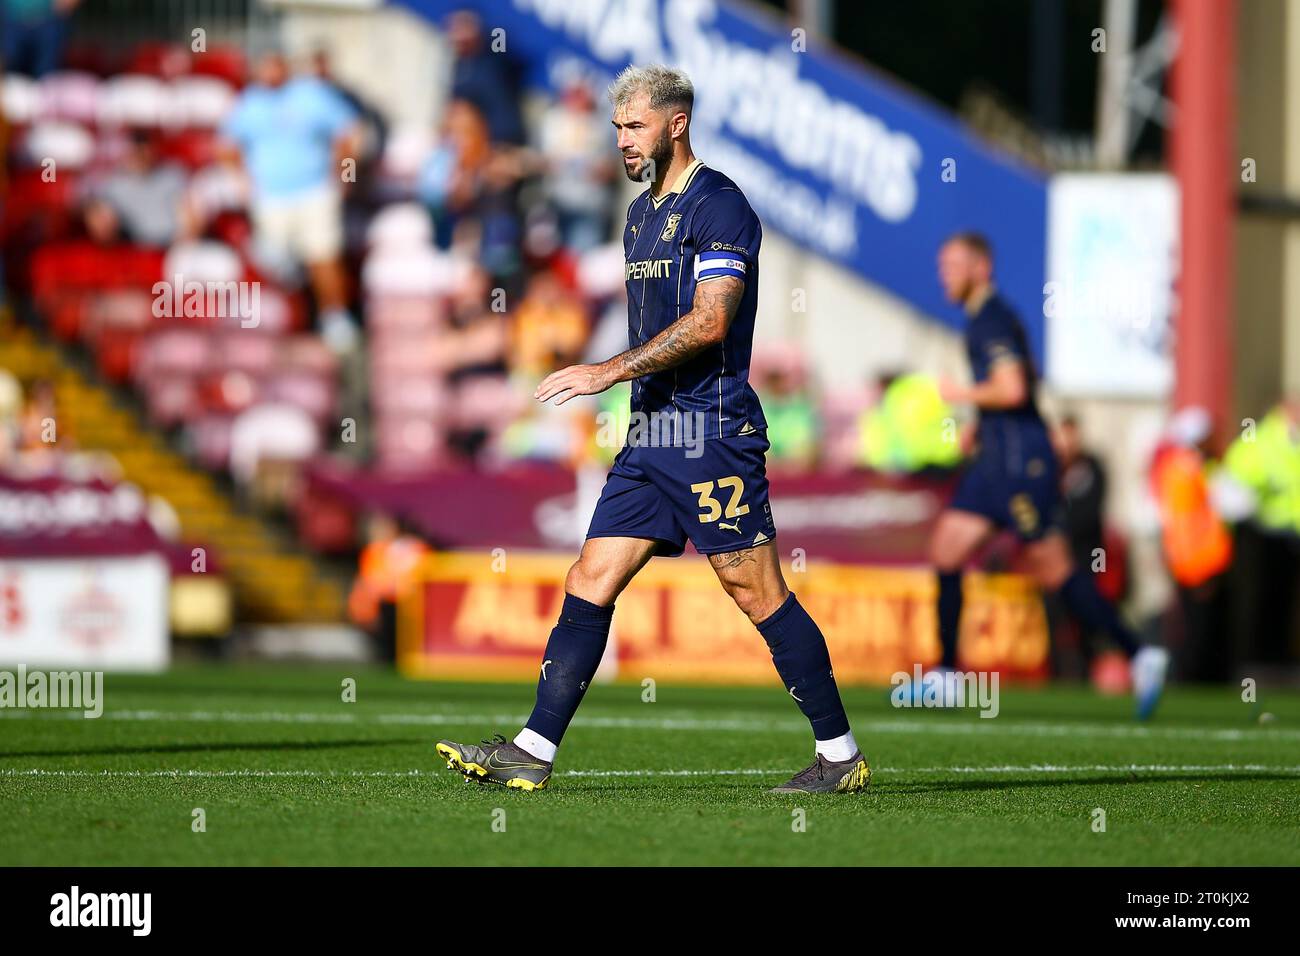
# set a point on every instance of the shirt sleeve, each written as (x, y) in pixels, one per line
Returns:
(997, 340)
(727, 236)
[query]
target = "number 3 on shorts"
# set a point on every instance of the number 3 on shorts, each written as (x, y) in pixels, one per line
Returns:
(713, 510)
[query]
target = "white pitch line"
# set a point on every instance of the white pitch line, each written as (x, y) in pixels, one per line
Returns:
(902, 725)
(999, 769)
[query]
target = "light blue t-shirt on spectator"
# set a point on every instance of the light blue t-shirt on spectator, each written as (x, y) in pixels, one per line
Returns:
(286, 135)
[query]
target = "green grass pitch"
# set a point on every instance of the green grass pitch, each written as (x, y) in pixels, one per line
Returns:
(288, 773)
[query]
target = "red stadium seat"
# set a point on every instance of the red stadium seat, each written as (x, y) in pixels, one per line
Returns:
(313, 394)
(193, 148)
(114, 352)
(172, 401)
(224, 62)
(164, 60)
(70, 95)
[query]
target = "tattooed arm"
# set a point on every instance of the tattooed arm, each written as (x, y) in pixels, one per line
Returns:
(705, 325)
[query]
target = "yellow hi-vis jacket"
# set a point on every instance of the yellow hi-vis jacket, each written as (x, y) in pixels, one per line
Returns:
(1269, 465)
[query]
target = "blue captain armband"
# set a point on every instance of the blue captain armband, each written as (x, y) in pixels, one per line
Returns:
(710, 265)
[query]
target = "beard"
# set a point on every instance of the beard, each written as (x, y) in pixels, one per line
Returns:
(661, 154)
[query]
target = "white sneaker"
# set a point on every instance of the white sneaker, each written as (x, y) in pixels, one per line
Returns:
(1148, 667)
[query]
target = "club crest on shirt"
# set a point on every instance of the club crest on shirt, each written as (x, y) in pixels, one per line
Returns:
(670, 228)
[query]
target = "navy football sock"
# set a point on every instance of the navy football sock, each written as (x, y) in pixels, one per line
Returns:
(801, 658)
(949, 615)
(572, 655)
(1080, 594)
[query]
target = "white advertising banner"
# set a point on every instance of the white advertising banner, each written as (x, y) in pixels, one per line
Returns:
(86, 613)
(1108, 303)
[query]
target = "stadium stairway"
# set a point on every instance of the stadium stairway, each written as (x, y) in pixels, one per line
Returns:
(274, 580)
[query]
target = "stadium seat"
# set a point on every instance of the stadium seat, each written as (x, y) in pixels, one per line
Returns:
(235, 350)
(409, 445)
(22, 99)
(135, 100)
(163, 60)
(420, 270)
(600, 272)
(487, 401)
(223, 62)
(69, 145)
(210, 435)
(400, 314)
(70, 96)
(203, 261)
(405, 151)
(400, 226)
(274, 430)
(172, 400)
(414, 396)
(310, 393)
(114, 352)
(193, 148)
(308, 353)
(172, 352)
(201, 101)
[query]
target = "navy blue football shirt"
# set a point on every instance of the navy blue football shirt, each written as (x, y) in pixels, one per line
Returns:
(701, 229)
(994, 335)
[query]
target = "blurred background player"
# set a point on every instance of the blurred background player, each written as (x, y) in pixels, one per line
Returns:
(691, 237)
(1012, 482)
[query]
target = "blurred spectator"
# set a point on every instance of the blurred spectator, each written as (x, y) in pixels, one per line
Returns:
(1263, 466)
(11, 406)
(143, 196)
(485, 78)
(574, 142)
(33, 33)
(292, 134)
(549, 329)
(1265, 461)
(389, 565)
(1083, 493)
(477, 343)
(912, 428)
(792, 426)
(42, 436)
(1197, 545)
(472, 191)
(478, 334)
(1083, 488)
(448, 181)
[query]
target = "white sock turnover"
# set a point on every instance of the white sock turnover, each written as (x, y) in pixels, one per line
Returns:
(837, 750)
(535, 744)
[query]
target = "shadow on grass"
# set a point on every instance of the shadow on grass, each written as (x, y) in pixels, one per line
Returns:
(1092, 780)
(228, 746)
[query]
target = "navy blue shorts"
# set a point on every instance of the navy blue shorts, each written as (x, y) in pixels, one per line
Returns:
(1028, 502)
(718, 500)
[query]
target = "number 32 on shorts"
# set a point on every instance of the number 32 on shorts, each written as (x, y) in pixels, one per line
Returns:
(712, 507)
